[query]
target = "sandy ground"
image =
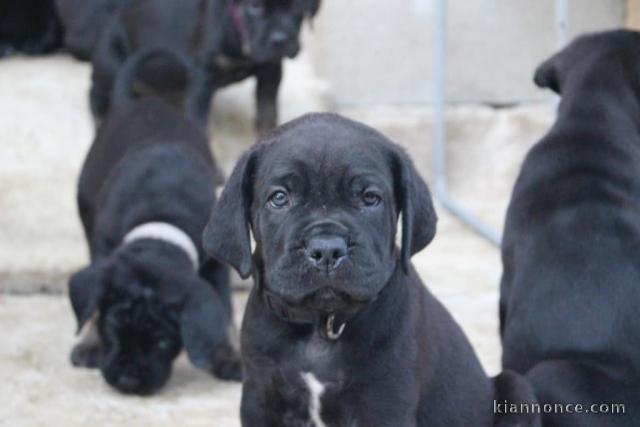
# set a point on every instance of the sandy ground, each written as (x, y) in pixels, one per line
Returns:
(39, 386)
(46, 133)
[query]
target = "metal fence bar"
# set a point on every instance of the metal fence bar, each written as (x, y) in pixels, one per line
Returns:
(440, 129)
(440, 126)
(562, 23)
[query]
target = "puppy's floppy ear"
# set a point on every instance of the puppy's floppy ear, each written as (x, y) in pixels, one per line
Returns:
(226, 236)
(86, 289)
(419, 217)
(204, 324)
(546, 75)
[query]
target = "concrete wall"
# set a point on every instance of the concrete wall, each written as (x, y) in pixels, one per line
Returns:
(381, 51)
(633, 14)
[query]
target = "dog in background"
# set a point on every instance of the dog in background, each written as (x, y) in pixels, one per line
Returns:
(339, 330)
(225, 41)
(571, 283)
(144, 197)
(83, 22)
(31, 27)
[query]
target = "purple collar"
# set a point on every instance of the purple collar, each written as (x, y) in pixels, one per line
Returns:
(238, 21)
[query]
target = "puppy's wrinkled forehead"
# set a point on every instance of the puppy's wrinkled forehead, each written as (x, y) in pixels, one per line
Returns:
(324, 153)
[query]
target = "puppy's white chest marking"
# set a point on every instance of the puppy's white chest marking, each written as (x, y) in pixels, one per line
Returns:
(316, 389)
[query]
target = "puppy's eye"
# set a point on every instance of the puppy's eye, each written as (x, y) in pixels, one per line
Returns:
(371, 198)
(279, 200)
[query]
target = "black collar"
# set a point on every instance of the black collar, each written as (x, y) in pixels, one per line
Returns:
(329, 325)
(286, 312)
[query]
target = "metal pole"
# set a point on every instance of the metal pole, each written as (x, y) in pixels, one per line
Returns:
(440, 131)
(562, 22)
(440, 145)
(562, 33)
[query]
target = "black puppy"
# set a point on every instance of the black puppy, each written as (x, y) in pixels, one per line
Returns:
(339, 330)
(29, 26)
(83, 22)
(144, 196)
(571, 284)
(225, 41)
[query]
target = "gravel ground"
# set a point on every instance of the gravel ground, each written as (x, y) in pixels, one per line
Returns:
(46, 133)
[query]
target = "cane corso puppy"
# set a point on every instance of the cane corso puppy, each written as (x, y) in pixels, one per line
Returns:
(225, 41)
(144, 196)
(339, 330)
(83, 22)
(571, 283)
(31, 27)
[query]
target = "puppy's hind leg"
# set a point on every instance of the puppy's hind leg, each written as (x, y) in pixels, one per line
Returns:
(108, 58)
(268, 78)
(199, 95)
(87, 353)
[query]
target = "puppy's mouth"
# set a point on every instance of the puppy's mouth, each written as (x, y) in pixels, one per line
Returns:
(330, 300)
(268, 53)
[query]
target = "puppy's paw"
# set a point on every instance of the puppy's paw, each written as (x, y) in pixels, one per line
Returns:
(226, 365)
(85, 356)
(514, 388)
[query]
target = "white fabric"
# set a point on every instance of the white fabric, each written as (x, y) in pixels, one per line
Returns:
(168, 233)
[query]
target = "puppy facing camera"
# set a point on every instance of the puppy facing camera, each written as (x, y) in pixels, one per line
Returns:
(338, 317)
(269, 30)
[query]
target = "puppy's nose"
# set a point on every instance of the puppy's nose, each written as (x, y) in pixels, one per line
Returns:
(326, 252)
(278, 37)
(128, 382)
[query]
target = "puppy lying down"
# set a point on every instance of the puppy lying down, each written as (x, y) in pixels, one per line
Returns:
(144, 195)
(339, 330)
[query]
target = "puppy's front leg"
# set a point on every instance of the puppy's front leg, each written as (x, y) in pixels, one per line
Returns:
(268, 77)
(86, 354)
(199, 95)
(253, 406)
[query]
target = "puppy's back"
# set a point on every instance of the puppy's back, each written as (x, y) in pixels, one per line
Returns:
(142, 124)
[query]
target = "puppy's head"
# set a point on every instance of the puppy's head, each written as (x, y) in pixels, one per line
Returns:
(596, 60)
(322, 196)
(147, 308)
(272, 27)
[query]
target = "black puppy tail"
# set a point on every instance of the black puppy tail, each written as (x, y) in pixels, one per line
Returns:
(156, 72)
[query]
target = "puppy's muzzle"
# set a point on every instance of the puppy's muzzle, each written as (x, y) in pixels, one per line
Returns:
(326, 252)
(128, 383)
